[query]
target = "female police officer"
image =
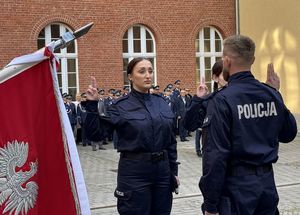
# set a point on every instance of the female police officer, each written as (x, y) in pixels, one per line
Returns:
(147, 145)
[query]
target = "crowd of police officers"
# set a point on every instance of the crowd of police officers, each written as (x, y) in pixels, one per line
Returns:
(177, 98)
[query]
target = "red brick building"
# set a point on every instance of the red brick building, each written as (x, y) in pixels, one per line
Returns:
(183, 38)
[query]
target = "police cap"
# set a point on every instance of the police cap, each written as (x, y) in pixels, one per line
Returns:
(170, 86)
(177, 82)
(101, 91)
(112, 91)
(156, 87)
(126, 88)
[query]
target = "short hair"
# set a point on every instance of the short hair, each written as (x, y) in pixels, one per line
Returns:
(240, 46)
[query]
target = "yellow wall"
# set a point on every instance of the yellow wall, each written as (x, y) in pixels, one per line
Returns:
(274, 25)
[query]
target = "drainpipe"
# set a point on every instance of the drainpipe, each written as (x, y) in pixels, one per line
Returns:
(237, 16)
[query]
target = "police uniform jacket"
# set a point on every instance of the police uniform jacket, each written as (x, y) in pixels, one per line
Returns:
(71, 111)
(143, 123)
(196, 112)
(243, 125)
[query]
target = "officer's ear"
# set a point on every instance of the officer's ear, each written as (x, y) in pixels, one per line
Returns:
(129, 77)
(226, 61)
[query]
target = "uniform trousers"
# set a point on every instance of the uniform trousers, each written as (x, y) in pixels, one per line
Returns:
(144, 187)
(254, 194)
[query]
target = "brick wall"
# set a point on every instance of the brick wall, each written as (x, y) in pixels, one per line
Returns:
(174, 23)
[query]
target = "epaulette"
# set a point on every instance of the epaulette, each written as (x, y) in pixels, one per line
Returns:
(269, 86)
(120, 99)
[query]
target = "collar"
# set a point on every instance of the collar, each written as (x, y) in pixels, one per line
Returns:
(240, 76)
(139, 95)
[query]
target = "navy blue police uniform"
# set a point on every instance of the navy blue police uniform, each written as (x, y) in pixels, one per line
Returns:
(194, 117)
(71, 111)
(243, 125)
(147, 147)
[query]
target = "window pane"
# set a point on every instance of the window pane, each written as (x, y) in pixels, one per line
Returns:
(40, 43)
(125, 64)
(57, 50)
(209, 86)
(72, 92)
(149, 46)
(148, 35)
(72, 80)
(59, 79)
(206, 33)
(197, 76)
(207, 75)
(218, 58)
(71, 66)
(55, 31)
(207, 62)
(71, 48)
(152, 61)
(125, 46)
(136, 32)
(137, 45)
(217, 35)
(42, 34)
(218, 45)
(59, 67)
(207, 46)
(197, 63)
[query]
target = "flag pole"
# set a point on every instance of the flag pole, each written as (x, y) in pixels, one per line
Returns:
(16, 66)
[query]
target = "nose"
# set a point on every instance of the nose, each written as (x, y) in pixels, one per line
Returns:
(148, 74)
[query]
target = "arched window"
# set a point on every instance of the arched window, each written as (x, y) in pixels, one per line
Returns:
(208, 51)
(68, 70)
(138, 41)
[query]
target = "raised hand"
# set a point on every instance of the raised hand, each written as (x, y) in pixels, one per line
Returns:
(92, 92)
(272, 78)
(202, 88)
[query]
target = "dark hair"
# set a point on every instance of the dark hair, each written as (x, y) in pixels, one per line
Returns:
(133, 62)
(217, 70)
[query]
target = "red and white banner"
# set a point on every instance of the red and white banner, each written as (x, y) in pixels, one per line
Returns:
(40, 172)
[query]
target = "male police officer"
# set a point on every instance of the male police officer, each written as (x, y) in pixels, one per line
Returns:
(241, 130)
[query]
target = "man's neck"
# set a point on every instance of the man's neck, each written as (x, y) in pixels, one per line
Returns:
(235, 70)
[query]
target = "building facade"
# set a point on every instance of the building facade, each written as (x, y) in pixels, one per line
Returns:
(274, 25)
(182, 38)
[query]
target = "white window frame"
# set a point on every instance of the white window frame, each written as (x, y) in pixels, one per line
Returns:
(212, 54)
(64, 56)
(131, 54)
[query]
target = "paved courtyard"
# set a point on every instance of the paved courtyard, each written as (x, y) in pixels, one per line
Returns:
(100, 168)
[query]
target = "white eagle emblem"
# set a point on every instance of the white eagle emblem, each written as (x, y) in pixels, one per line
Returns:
(12, 182)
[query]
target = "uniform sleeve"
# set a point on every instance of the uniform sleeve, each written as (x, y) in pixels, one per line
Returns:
(195, 114)
(78, 113)
(216, 150)
(97, 126)
(289, 127)
(172, 155)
